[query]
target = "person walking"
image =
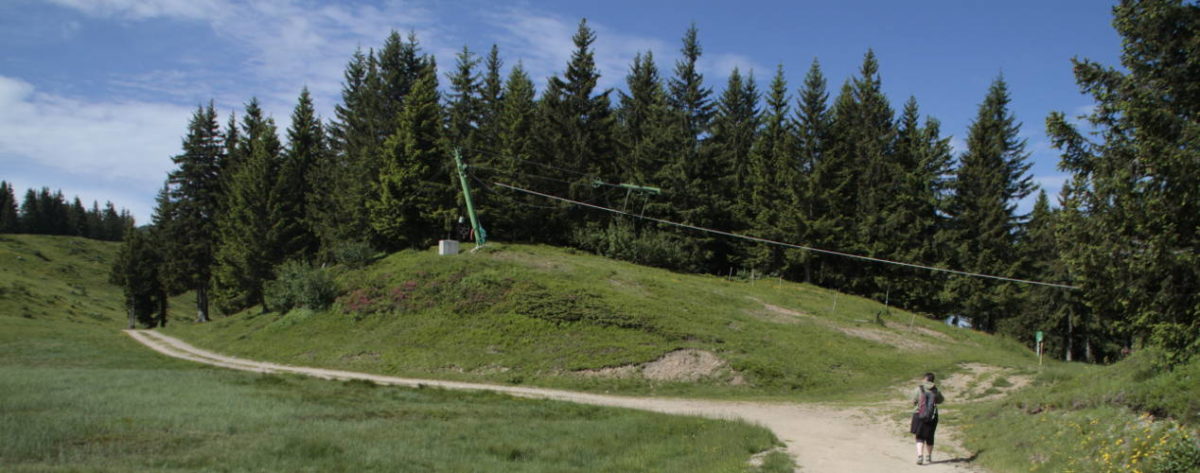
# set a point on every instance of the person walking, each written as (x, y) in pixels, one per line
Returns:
(925, 417)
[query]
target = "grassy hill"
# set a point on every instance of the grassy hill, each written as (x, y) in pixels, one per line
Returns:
(558, 318)
(76, 394)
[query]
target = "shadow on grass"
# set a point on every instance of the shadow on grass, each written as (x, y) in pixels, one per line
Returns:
(970, 459)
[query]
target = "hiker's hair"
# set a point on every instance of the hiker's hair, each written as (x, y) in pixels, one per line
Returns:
(929, 377)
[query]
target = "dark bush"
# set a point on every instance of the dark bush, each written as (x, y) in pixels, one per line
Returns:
(353, 254)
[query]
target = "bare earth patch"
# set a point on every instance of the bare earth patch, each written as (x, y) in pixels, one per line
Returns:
(687, 365)
(977, 382)
(908, 342)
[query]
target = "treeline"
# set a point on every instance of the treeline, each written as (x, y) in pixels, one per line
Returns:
(48, 213)
(842, 171)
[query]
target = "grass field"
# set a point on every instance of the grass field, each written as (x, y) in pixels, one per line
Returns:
(78, 395)
(545, 316)
(1132, 416)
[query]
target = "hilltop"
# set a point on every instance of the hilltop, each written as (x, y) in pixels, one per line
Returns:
(539, 315)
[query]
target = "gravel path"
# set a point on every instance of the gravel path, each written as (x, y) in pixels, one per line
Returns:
(821, 438)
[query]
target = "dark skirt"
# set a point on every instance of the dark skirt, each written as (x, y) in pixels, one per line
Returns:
(923, 429)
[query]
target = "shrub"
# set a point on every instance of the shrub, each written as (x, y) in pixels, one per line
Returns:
(353, 254)
(299, 284)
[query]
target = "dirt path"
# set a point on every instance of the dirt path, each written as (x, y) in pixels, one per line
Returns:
(821, 438)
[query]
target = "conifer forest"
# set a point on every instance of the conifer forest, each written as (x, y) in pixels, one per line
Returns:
(823, 163)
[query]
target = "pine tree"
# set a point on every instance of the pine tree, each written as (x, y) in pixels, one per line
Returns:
(734, 128)
(1046, 309)
(576, 134)
(345, 179)
(399, 68)
(992, 176)
(95, 221)
(293, 193)
(77, 219)
(412, 187)
(8, 209)
(464, 108)
(114, 225)
(690, 178)
(821, 174)
(521, 217)
(687, 92)
(136, 269)
(643, 118)
(491, 94)
(773, 178)
(246, 253)
(31, 214)
(914, 221)
(1134, 247)
(195, 188)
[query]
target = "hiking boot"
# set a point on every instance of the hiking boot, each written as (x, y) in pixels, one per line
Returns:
(929, 459)
(920, 461)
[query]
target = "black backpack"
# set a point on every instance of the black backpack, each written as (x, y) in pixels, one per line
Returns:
(926, 404)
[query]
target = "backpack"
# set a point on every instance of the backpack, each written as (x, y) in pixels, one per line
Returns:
(926, 404)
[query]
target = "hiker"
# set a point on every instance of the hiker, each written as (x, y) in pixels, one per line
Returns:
(925, 417)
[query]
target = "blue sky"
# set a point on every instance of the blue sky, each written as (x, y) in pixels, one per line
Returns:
(95, 94)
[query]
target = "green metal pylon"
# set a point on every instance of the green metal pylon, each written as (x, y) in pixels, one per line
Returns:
(480, 235)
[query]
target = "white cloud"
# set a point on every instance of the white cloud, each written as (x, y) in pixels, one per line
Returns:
(721, 65)
(146, 9)
(543, 43)
(115, 146)
(288, 44)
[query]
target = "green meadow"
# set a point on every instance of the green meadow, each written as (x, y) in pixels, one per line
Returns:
(76, 394)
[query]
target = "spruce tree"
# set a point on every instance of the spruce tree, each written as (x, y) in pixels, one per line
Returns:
(95, 222)
(399, 68)
(293, 193)
(687, 92)
(914, 221)
(8, 209)
(464, 107)
(869, 142)
(346, 177)
(643, 120)
(1134, 251)
(491, 93)
(136, 270)
(576, 135)
(195, 188)
(690, 177)
(821, 175)
(412, 188)
(246, 253)
(773, 178)
(522, 216)
(77, 219)
(114, 224)
(991, 177)
(734, 128)
(31, 216)
(1046, 309)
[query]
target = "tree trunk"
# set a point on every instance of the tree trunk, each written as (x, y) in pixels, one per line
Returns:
(1070, 335)
(132, 313)
(162, 309)
(202, 304)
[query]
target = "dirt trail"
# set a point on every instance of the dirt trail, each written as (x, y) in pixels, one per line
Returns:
(821, 438)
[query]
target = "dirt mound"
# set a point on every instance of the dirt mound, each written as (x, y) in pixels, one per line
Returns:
(687, 365)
